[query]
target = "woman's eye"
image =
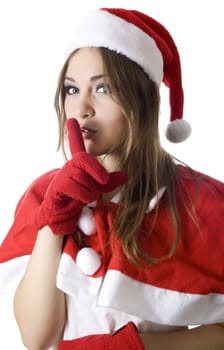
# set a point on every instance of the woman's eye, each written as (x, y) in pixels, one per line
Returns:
(70, 90)
(102, 88)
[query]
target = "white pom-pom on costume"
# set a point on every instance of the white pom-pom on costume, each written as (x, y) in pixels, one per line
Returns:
(88, 260)
(86, 222)
(178, 130)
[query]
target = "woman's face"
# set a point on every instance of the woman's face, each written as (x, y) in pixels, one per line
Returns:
(89, 99)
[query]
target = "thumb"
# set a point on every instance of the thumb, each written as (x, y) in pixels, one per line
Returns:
(116, 179)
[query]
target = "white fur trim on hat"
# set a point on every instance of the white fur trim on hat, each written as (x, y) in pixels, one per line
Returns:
(102, 29)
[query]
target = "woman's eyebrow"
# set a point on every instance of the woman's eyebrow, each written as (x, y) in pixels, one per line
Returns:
(68, 78)
(93, 78)
(97, 77)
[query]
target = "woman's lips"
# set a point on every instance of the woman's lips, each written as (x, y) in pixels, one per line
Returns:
(87, 133)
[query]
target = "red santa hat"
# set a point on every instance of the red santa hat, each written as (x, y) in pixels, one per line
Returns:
(148, 43)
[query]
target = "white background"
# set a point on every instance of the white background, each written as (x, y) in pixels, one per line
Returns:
(33, 37)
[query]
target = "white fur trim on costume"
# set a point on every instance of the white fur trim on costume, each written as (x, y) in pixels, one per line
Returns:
(158, 305)
(88, 260)
(116, 198)
(178, 130)
(93, 319)
(102, 29)
(156, 199)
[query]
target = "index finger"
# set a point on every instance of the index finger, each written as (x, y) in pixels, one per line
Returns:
(75, 139)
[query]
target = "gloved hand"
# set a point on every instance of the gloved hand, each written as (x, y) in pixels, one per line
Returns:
(125, 338)
(80, 181)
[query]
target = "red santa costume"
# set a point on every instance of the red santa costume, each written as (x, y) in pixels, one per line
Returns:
(105, 291)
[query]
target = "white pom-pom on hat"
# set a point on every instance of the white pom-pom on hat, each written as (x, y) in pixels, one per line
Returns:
(178, 130)
(152, 48)
(88, 260)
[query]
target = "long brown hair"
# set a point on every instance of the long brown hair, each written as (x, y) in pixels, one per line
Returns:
(148, 165)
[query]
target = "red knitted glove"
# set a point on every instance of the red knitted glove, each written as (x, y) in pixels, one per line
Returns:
(125, 338)
(82, 180)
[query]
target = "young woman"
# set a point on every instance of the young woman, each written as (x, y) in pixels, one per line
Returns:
(121, 248)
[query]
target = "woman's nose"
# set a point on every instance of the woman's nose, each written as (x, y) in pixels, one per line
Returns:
(84, 107)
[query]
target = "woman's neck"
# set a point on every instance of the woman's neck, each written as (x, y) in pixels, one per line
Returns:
(110, 162)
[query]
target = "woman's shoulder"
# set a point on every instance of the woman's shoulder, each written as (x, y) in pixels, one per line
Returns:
(23, 231)
(32, 197)
(36, 190)
(200, 201)
(199, 185)
(41, 183)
